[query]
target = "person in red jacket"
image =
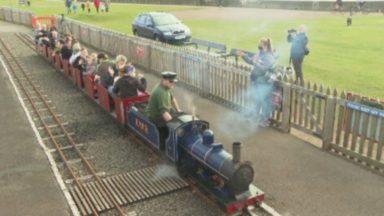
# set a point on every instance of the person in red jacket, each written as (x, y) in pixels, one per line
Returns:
(97, 5)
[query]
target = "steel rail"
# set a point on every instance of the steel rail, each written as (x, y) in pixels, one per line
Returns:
(23, 39)
(70, 139)
(86, 162)
(57, 145)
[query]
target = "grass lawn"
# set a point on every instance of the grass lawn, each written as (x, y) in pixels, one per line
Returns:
(341, 57)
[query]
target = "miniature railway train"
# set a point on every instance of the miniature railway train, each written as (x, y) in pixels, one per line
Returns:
(190, 144)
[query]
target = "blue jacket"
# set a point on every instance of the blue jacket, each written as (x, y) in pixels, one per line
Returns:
(299, 45)
(263, 66)
(68, 3)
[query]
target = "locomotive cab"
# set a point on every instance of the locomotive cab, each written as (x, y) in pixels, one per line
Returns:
(177, 129)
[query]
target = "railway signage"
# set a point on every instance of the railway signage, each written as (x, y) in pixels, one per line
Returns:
(140, 52)
(365, 109)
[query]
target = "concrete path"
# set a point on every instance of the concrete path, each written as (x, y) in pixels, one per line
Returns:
(27, 184)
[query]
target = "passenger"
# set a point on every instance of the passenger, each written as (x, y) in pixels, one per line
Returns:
(43, 36)
(130, 84)
(101, 57)
(36, 32)
(66, 50)
(81, 60)
(162, 104)
(91, 64)
(76, 52)
(107, 71)
(53, 39)
(59, 44)
(119, 65)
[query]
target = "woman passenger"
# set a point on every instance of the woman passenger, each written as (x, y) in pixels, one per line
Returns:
(66, 50)
(91, 64)
(81, 60)
(261, 82)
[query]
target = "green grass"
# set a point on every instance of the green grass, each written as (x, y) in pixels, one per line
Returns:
(345, 58)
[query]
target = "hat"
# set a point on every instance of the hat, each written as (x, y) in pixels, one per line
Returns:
(169, 75)
(129, 69)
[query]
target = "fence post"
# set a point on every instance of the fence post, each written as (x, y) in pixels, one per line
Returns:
(286, 108)
(174, 61)
(149, 48)
(329, 119)
(2, 13)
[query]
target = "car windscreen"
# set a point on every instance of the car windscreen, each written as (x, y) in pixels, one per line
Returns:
(165, 19)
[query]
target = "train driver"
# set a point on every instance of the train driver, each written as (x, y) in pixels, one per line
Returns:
(162, 104)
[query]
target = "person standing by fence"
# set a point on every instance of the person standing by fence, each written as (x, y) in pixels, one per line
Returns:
(264, 64)
(97, 5)
(74, 6)
(68, 5)
(299, 50)
(88, 6)
(107, 3)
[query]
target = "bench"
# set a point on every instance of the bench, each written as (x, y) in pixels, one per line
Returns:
(45, 52)
(90, 85)
(40, 49)
(77, 77)
(49, 55)
(221, 48)
(65, 66)
(58, 63)
(104, 98)
(123, 105)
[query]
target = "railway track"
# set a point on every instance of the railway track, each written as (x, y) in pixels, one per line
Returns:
(57, 133)
(262, 210)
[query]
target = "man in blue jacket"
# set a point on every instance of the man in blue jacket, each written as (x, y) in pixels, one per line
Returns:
(299, 50)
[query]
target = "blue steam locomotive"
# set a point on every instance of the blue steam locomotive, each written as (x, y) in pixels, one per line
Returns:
(190, 145)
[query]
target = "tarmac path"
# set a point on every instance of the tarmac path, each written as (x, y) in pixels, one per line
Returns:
(298, 178)
(27, 184)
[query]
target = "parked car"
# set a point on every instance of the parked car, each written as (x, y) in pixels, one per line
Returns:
(161, 26)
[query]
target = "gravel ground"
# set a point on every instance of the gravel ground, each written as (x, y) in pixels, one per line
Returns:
(105, 140)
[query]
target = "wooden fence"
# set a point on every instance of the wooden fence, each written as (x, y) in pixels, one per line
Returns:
(344, 124)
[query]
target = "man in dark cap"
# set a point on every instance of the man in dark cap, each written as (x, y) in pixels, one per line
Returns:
(162, 104)
(129, 84)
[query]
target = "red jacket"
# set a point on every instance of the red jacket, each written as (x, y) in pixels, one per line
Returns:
(96, 3)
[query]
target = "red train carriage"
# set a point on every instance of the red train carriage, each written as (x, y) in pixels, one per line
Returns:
(90, 85)
(122, 105)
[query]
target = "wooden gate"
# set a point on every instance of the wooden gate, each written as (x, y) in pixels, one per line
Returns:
(308, 106)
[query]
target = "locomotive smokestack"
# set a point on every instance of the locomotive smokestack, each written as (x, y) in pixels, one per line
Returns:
(236, 151)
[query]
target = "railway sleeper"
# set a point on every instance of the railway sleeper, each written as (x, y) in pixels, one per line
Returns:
(58, 136)
(83, 178)
(128, 188)
(53, 126)
(67, 147)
